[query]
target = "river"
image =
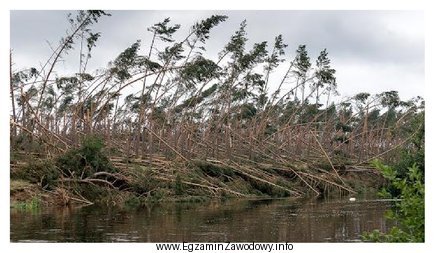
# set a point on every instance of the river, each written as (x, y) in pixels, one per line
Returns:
(265, 220)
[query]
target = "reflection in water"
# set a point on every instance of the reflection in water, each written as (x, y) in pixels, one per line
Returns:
(235, 221)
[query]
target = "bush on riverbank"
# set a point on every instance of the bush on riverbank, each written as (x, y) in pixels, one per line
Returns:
(408, 212)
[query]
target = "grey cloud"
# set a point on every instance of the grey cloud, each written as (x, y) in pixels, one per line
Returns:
(359, 38)
(31, 29)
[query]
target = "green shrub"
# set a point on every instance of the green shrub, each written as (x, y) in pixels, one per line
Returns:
(132, 202)
(179, 187)
(142, 180)
(86, 160)
(44, 173)
(213, 170)
(409, 210)
(32, 205)
(157, 195)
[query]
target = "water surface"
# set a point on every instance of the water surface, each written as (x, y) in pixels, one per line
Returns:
(336, 220)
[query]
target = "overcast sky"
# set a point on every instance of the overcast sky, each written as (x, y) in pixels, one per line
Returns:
(372, 51)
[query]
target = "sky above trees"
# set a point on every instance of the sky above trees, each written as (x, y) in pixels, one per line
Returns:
(372, 51)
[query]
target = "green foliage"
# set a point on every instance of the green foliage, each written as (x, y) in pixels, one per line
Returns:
(247, 111)
(157, 195)
(143, 181)
(324, 165)
(178, 186)
(77, 163)
(91, 41)
(158, 115)
(302, 61)
(409, 210)
(261, 188)
(213, 170)
(65, 104)
(278, 50)
(133, 202)
(127, 60)
(373, 116)
(253, 80)
(202, 29)
(25, 141)
(362, 97)
(309, 111)
(256, 55)
(67, 84)
(199, 70)
(236, 46)
(209, 91)
(346, 128)
(32, 205)
(150, 65)
(172, 53)
(196, 99)
(390, 98)
(87, 17)
(413, 153)
(24, 76)
(43, 172)
(86, 160)
(324, 72)
(394, 235)
(81, 22)
(163, 31)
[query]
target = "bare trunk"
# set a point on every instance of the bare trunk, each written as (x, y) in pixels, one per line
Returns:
(14, 115)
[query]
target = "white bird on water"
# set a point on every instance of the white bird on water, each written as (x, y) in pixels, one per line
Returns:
(352, 199)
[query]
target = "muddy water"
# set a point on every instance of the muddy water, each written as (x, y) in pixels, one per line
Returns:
(337, 220)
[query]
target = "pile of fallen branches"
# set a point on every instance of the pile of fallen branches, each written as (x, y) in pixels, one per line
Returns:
(277, 178)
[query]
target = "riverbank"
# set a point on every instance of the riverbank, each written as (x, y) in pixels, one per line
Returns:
(87, 175)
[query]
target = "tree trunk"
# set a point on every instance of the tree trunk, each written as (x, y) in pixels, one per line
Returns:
(14, 115)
